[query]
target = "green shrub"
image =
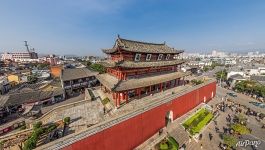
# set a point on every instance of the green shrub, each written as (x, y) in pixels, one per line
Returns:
(1, 144)
(37, 125)
(198, 121)
(105, 101)
(31, 142)
(66, 120)
(163, 146)
(23, 127)
(241, 129)
(196, 82)
(173, 143)
(51, 127)
(230, 140)
(201, 124)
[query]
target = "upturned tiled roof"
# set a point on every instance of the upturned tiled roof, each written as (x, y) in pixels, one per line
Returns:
(141, 47)
(134, 64)
(115, 85)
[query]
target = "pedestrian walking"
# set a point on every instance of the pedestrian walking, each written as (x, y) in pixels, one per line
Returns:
(210, 136)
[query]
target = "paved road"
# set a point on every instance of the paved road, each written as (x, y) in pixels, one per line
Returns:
(241, 99)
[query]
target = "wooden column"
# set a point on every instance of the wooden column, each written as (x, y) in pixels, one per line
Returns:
(175, 84)
(124, 77)
(139, 92)
(119, 100)
(126, 97)
(113, 96)
(161, 87)
(150, 88)
(116, 99)
(123, 96)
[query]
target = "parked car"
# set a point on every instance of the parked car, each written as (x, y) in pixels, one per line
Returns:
(232, 94)
(261, 105)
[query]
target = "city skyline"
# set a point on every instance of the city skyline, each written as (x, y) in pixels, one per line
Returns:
(84, 27)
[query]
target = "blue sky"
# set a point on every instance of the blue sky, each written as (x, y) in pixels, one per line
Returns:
(83, 27)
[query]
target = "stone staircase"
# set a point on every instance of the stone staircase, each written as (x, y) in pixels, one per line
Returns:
(179, 134)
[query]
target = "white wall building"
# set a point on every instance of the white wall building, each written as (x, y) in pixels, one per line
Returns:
(230, 62)
(231, 73)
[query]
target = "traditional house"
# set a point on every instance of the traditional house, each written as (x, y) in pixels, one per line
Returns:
(76, 80)
(139, 68)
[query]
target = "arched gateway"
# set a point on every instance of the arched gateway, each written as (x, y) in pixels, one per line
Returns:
(169, 117)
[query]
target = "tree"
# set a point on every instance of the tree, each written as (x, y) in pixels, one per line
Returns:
(88, 63)
(32, 78)
(196, 82)
(43, 66)
(66, 120)
(37, 125)
(250, 87)
(205, 69)
(98, 67)
(230, 140)
(221, 75)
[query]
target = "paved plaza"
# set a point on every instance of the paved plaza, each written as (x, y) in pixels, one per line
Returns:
(176, 130)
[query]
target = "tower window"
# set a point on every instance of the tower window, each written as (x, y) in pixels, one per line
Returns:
(168, 56)
(137, 57)
(160, 57)
(148, 57)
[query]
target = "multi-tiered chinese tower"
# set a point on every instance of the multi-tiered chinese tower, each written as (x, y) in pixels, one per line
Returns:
(136, 69)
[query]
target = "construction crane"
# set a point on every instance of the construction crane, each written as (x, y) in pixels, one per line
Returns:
(27, 46)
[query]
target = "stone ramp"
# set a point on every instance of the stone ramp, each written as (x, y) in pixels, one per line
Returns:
(179, 134)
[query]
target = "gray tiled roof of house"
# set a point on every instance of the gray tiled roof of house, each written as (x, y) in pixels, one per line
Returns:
(141, 47)
(28, 96)
(76, 73)
(258, 78)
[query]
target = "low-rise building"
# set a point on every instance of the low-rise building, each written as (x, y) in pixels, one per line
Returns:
(17, 78)
(76, 80)
(231, 73)
(56, 70)
(4, 85)
(230, 62)
(201, 64)
(233, 79)
(258, 78)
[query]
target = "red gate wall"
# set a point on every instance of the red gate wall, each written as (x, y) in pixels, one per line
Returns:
(134, 131)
